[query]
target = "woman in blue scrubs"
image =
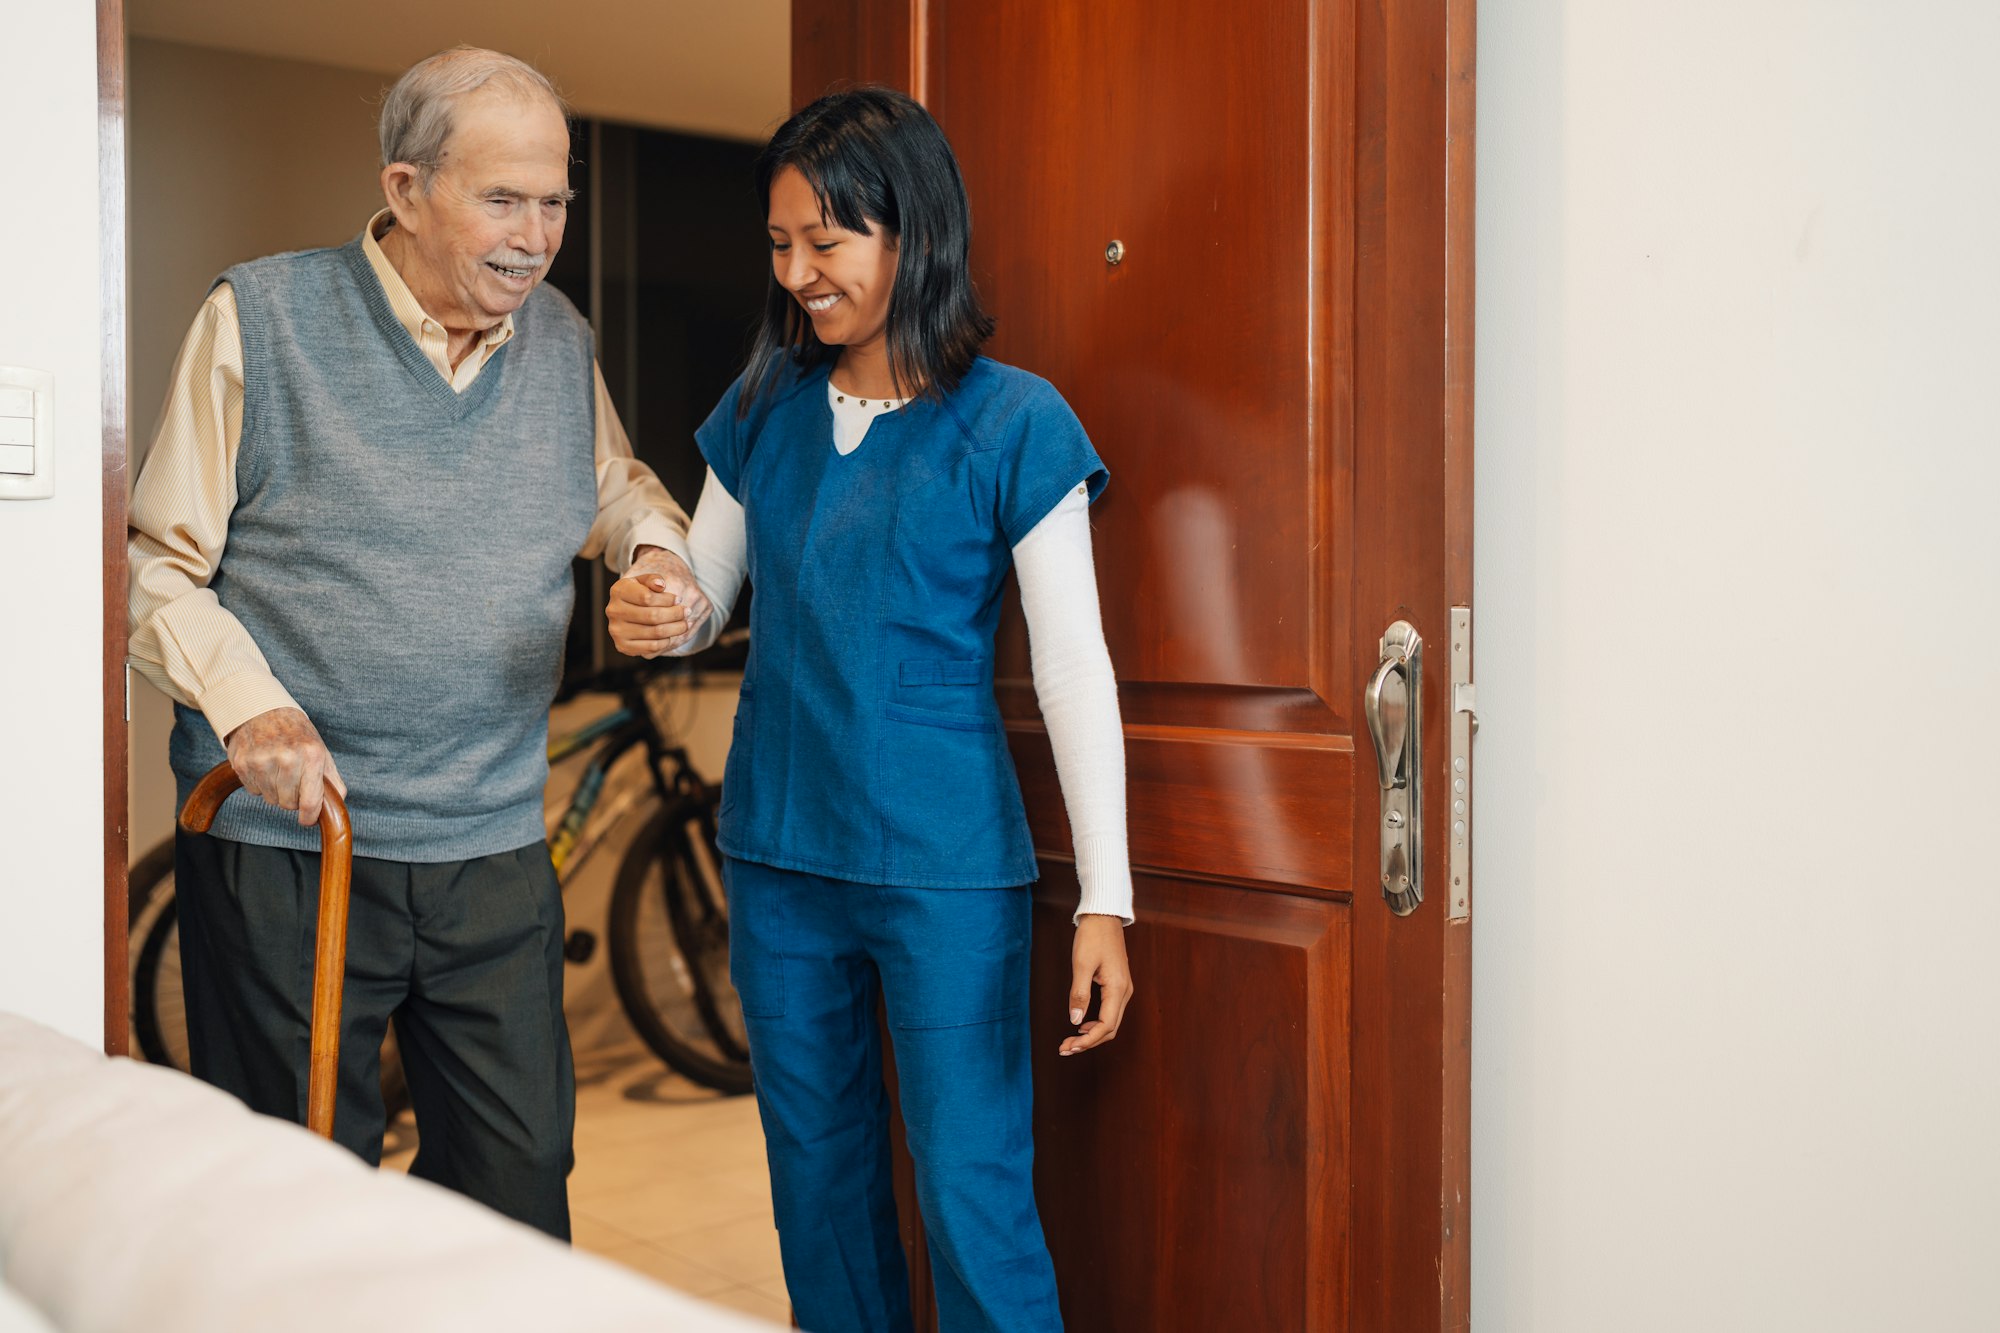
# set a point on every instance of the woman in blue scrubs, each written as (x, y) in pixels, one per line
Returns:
(877, 479)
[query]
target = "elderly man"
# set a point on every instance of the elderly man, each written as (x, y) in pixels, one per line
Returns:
(350, 552)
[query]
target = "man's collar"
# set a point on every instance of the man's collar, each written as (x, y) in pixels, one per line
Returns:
(402, 301)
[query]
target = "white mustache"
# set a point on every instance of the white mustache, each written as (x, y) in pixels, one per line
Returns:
(510, 261)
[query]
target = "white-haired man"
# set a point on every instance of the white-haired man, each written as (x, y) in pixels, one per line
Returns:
(350, 552)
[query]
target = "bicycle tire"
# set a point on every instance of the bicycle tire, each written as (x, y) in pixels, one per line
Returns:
(675, 1025)
(155, 923)
(159, 1034)
(700, 913)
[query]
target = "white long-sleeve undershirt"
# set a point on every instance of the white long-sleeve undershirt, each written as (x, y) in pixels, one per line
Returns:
(1070, 663)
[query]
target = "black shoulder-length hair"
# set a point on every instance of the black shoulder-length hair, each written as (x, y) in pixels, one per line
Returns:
(875, 158)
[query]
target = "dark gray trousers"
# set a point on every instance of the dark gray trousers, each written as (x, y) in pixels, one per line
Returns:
(465, 956)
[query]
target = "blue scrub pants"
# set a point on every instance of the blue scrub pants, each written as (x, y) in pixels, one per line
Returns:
(805, 955)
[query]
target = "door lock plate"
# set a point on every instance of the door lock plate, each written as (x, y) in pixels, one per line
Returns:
(1464, 721)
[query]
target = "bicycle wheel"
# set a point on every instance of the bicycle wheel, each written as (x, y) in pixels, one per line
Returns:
(153, 945)
(158, 1011)
(669, 940)
(701, 928)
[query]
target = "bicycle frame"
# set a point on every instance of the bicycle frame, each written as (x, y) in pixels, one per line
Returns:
(574, 839)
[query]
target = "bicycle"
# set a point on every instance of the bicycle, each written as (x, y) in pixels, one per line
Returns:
(668, 926)
(667, 929)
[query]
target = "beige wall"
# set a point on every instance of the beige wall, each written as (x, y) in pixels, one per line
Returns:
(1734, 1021)
(696, 66)
(235, 156)
(232, 157)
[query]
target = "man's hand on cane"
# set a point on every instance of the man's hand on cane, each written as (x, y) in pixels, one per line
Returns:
(280, 757)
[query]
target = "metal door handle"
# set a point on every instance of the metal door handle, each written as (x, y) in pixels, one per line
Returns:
(1392, 704)
(1387, 707)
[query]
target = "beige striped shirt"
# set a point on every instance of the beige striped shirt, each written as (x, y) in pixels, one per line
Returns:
(182, 640)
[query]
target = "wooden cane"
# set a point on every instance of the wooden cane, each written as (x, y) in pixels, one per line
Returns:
(336, 868)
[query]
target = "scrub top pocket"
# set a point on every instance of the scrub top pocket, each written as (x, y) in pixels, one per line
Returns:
(929, 751)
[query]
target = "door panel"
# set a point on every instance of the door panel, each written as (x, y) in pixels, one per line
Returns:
(1193, 364)
(1104, 122)
(1226, 1152)
(1277, 373)
(1231, 804)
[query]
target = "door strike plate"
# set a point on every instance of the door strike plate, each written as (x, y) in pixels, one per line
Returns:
(1464, 721)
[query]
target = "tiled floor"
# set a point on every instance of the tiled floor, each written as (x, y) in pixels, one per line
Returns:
(669, 1181)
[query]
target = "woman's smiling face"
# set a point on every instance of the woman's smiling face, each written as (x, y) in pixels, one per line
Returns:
(842, 278)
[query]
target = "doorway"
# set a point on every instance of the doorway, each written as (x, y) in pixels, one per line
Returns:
(1342, 518)
(247, 139)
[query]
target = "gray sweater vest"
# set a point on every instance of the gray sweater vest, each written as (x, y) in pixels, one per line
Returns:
(401, 555)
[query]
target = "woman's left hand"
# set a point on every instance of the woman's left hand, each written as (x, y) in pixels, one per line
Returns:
(1097, 955)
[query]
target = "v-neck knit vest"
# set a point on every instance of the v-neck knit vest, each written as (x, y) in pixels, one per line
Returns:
(401, 554)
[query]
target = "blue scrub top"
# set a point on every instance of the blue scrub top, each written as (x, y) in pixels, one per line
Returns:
(868, 743)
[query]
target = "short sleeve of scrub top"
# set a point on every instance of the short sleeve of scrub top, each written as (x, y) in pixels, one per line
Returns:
(722, 440)
(1045, 456)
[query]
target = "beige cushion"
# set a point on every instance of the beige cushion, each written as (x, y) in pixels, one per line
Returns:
(135, 1198)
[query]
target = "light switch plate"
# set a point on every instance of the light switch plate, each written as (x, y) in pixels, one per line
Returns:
(27, 429)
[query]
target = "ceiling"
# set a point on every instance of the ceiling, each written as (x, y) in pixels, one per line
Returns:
(719, 67)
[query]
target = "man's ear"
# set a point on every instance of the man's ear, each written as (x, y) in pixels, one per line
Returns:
(400, 188)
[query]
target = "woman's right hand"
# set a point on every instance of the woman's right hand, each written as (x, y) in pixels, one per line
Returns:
(656, 606)
(1098, 955)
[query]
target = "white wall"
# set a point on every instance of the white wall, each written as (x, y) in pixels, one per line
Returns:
(51, 779)
(51, 645)
(1735, 1052)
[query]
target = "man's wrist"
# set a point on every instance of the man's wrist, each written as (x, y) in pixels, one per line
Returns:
(655, 555)
(246, 695)
(646, 560)
(652, 533)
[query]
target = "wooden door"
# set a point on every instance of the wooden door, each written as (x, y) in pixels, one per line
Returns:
(1278, 375)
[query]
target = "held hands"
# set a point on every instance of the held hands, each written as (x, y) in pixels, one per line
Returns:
(656, 606)
(1097, 955)
(281, 758)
